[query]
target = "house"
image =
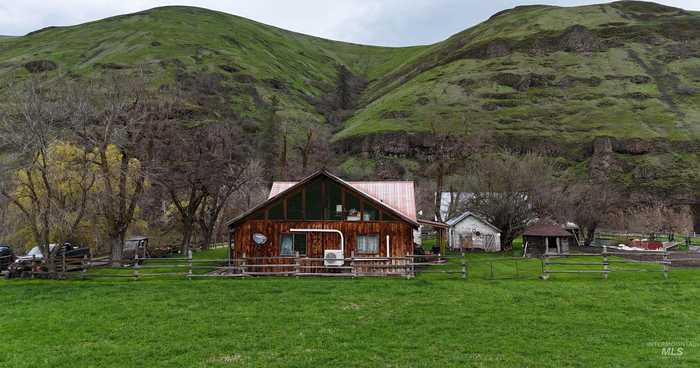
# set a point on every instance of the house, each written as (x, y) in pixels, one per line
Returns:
(470, 232)
(546, 238)
(323, 217)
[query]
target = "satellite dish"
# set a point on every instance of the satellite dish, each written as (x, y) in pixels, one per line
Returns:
(259, 239)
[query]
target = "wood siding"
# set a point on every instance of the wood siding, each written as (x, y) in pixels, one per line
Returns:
(400, 237)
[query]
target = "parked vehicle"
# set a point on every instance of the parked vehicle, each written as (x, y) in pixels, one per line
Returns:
(34, 259)
(6, 257)
(135, 246)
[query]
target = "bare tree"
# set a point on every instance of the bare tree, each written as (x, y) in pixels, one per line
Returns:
(511, 190)
(49, 186)
(109, 121)
(590, 205)
(236, 175)
(200, 168)
(653, 216)
(449, 150)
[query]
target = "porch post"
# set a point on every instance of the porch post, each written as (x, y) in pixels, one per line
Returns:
(558, 245)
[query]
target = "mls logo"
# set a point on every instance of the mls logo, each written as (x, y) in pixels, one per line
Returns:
(672, 352)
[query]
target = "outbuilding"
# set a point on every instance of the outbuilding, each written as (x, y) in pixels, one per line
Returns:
(468, 232)
(546, 238)
(323, 217)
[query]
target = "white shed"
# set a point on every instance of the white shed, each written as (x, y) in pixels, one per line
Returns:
(469, 231)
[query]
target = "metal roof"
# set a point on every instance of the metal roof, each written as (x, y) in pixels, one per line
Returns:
(397, 196)
(454, 221)
(546, 229)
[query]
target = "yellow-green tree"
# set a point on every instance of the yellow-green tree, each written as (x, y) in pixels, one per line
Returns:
(61, 192)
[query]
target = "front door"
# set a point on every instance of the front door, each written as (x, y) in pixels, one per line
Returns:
(552, 246)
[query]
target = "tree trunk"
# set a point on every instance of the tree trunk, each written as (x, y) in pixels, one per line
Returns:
(186, 235)
(206, 238)
(507, 242)
(439, 187)
(116, 243)
(589, 235)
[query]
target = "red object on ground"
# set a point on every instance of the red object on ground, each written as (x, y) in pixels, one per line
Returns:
(648, 244)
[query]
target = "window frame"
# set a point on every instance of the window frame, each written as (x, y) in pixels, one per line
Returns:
(357, 244)
(294, 250)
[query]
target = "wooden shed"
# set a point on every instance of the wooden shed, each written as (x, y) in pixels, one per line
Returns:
(323, 217)
(546, 238)
(469, 231)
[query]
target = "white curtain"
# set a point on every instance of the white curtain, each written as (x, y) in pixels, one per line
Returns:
(287, 245)
(368, 244)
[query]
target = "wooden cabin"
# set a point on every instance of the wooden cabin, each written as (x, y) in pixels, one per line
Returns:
(322, 218)
(546, 238)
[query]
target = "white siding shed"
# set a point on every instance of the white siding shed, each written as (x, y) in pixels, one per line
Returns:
(469, 231)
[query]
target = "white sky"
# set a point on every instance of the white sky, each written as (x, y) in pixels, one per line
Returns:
(380, 22)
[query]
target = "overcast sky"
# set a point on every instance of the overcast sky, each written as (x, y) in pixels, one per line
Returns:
(379, 22)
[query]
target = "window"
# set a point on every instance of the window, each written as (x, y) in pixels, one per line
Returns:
(368, 244)
(314, 201)
(292, 243)
(369, 212)
(353, 207)
(294, 203)
(276, 212)
(334, 198)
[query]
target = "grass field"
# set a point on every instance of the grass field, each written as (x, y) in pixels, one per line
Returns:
(568, 321)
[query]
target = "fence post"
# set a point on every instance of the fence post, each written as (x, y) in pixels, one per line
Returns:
(63, 265)
(491, 263)
(243, 264)
(409, 265)
(84, 266)
(189, 264)
(136, 266)
(666, 261)
(464, 265)
(297, 264)
(544, 260)
(605, 262)
(31, 269)
(412, 259)
(517, 271)
(352, 264)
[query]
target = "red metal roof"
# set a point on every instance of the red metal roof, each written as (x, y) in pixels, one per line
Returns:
(546, 229)
(397, 195)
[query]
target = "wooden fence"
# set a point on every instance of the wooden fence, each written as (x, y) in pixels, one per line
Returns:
(606, 265)
(297, 266)
(408, 266)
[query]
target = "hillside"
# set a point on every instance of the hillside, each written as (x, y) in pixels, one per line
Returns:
(626, 69)
(612, 87)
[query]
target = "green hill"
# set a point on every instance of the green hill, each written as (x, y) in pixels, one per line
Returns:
(538, 77)
(625, 69)
(168, 40)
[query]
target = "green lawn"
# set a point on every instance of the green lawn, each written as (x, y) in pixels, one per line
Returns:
(567, 321)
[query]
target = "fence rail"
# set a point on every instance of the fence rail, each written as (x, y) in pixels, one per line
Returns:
(408, 266)
(549, 260)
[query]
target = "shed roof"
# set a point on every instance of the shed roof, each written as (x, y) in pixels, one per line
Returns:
(397, 196)
(455, 220)
(546, 229)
